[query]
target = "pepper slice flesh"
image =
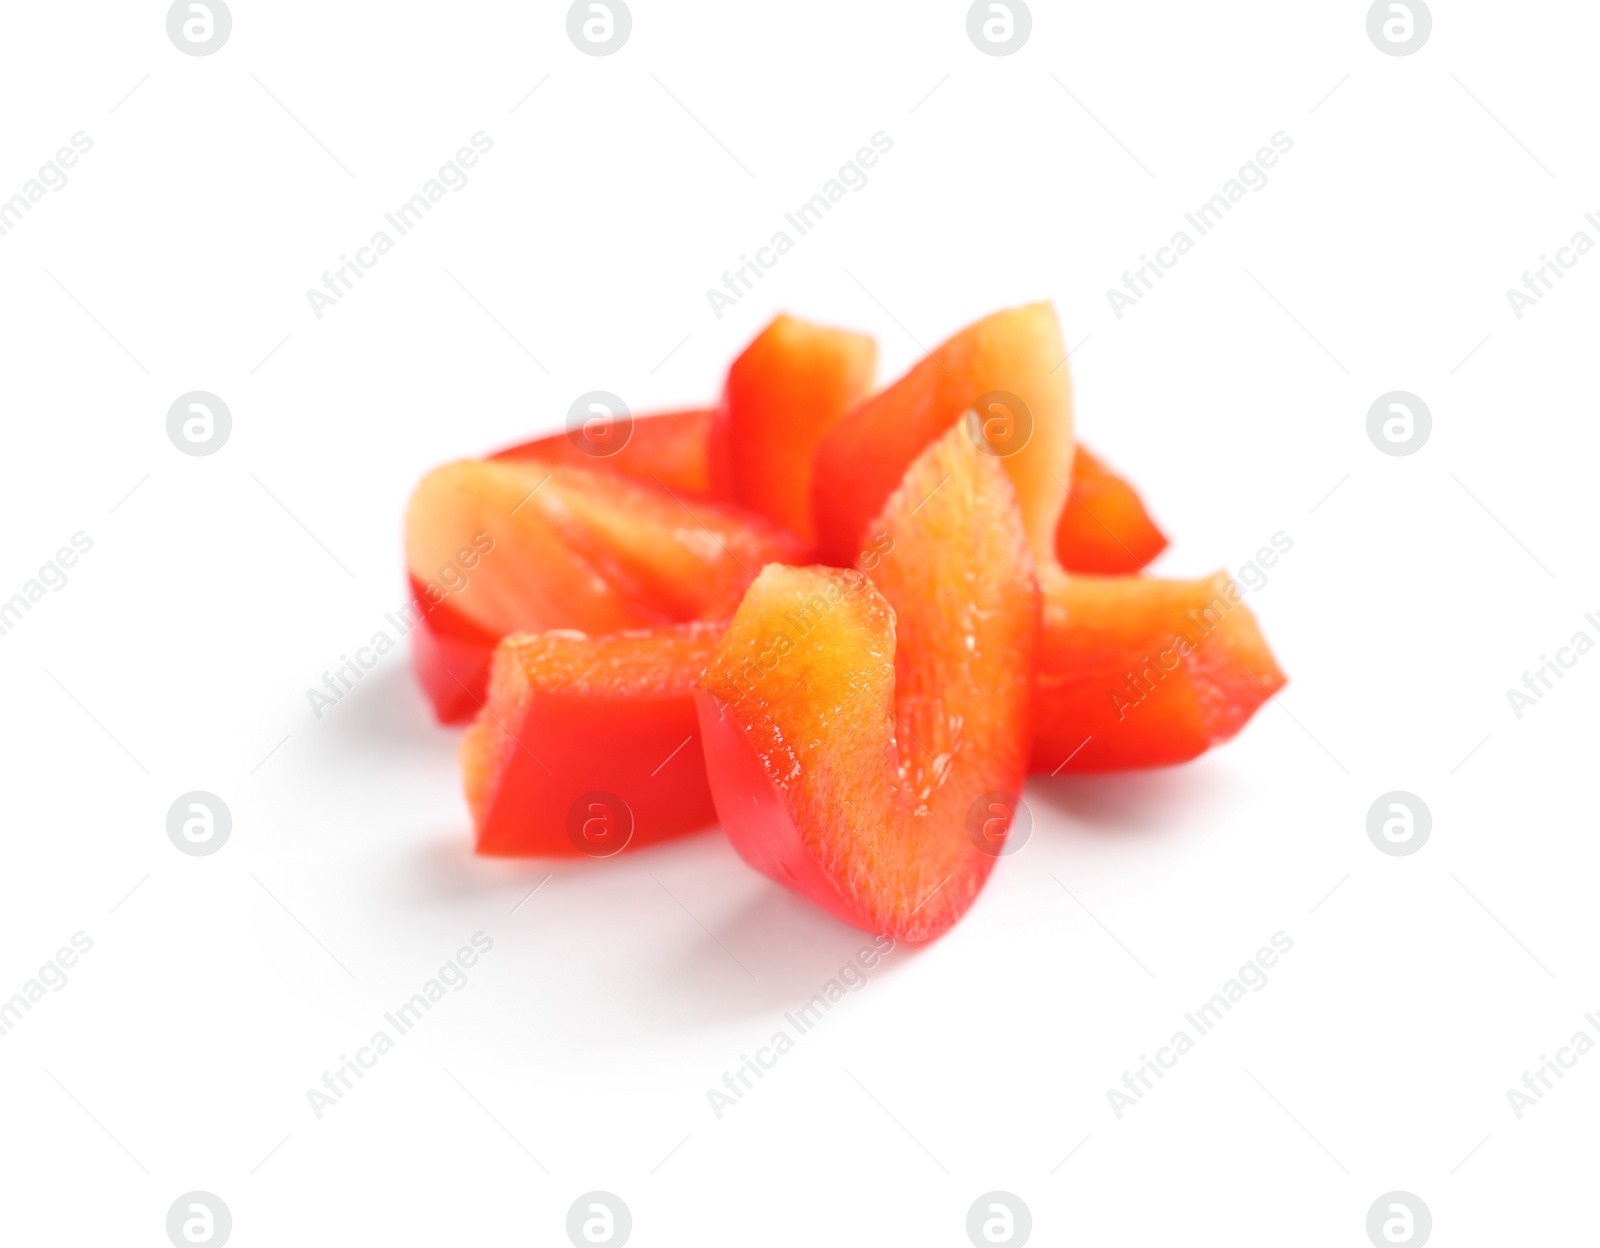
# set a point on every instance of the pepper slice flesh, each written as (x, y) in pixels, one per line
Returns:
(1140, 672)
(783, 394)
(855, 721)
(1104, 528)
(589, 745)
(505, 546)
(1012, 355)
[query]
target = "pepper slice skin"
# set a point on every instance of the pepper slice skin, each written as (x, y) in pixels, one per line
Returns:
(1104, 529)
(671, 449)
(505, 546)
(589, 745)
(1141, 672)
(1014, 354)
(854, 722)
(783, 394)
(450, 655)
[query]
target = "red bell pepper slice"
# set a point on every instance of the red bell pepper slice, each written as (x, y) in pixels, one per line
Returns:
(1013, 355)
(866, 735)
(504, 546)
(1140, 672)
(1104, 528)
(589, 745)
(782, 395)
(670, 449)
(449, 653)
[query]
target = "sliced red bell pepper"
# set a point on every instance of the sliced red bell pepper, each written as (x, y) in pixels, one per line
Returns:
(782, 395)
(1104, 529)
(588, 745)
(449, 653)
(866, 735)
(1140, 672)
(1016, 354)
(504, 546)
(668, 448)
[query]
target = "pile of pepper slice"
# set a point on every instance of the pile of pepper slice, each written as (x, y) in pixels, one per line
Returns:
(845, 624)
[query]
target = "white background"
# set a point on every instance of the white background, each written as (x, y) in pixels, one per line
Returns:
(177, 258)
